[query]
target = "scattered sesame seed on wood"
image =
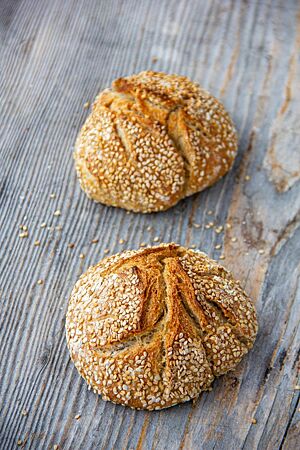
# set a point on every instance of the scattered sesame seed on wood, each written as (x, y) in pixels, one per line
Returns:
(40, 282)
(23, 235)
(149, 228)
(254, 421)
(52, 195)
(106, 250)
(233, 239)
(43, 225)
(86, 105)
(24, 228)
(143, 244)
(121, 241)
(193, 246)
(94, 241)
(218, 246)
(24, 412)
(57, 213)
(210, 212)
(19, 442)
(156, 239)
(222, 257)
(228, 225)
(247, 177)
(82, 256)
(71, 245)
(197, 225)
(77, 417)
(219, 229)
(37, 243)
(55, 447)
(261, 251)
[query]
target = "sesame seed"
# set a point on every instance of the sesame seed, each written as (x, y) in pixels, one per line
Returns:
(57, 213)
(82, 255)
(121, 241)
(143, 244)
(297, 387)
(197, 225)
(94, 241)
(24, 228)
(261, 251)
(19, 442)
(40, 282)
(23, 235)
(156, 239)
(55, 447)
(222, 257)
(77, 417)
(71, 245)
(210, 212)
(52, 195)
(86, 105)
(233, 239)
(43, 225)
(193, 246)
(106, 250)
(247, 177)
(149, 228)
(218, 246)
(24, 412)
(37, 243)
(254, 421)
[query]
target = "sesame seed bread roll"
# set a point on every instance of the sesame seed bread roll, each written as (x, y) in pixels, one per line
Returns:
(152, 328)
(151, 140)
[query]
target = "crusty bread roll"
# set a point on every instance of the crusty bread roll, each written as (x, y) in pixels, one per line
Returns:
(151, 140)
(154, 327)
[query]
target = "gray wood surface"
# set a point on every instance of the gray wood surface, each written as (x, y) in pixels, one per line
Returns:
(55, 56)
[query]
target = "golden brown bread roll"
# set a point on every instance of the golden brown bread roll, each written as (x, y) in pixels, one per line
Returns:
(151, 140)
(154, 327)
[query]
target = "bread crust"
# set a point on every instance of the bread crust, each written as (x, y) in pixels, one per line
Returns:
(152, 328)
(151, 140)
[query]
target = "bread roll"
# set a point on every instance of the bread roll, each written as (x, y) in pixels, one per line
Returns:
(151, 140)
(154, 327)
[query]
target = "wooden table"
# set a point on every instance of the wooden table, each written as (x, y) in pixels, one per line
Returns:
(55, 56)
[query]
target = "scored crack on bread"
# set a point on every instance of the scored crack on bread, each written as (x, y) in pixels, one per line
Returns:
(152, 328)
(151, 140)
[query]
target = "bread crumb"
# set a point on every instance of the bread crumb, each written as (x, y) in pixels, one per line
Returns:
(71, 245)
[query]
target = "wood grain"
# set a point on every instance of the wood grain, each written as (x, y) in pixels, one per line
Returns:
(55, 56)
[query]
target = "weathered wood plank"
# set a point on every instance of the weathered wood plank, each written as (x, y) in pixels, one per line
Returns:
(57, 55)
